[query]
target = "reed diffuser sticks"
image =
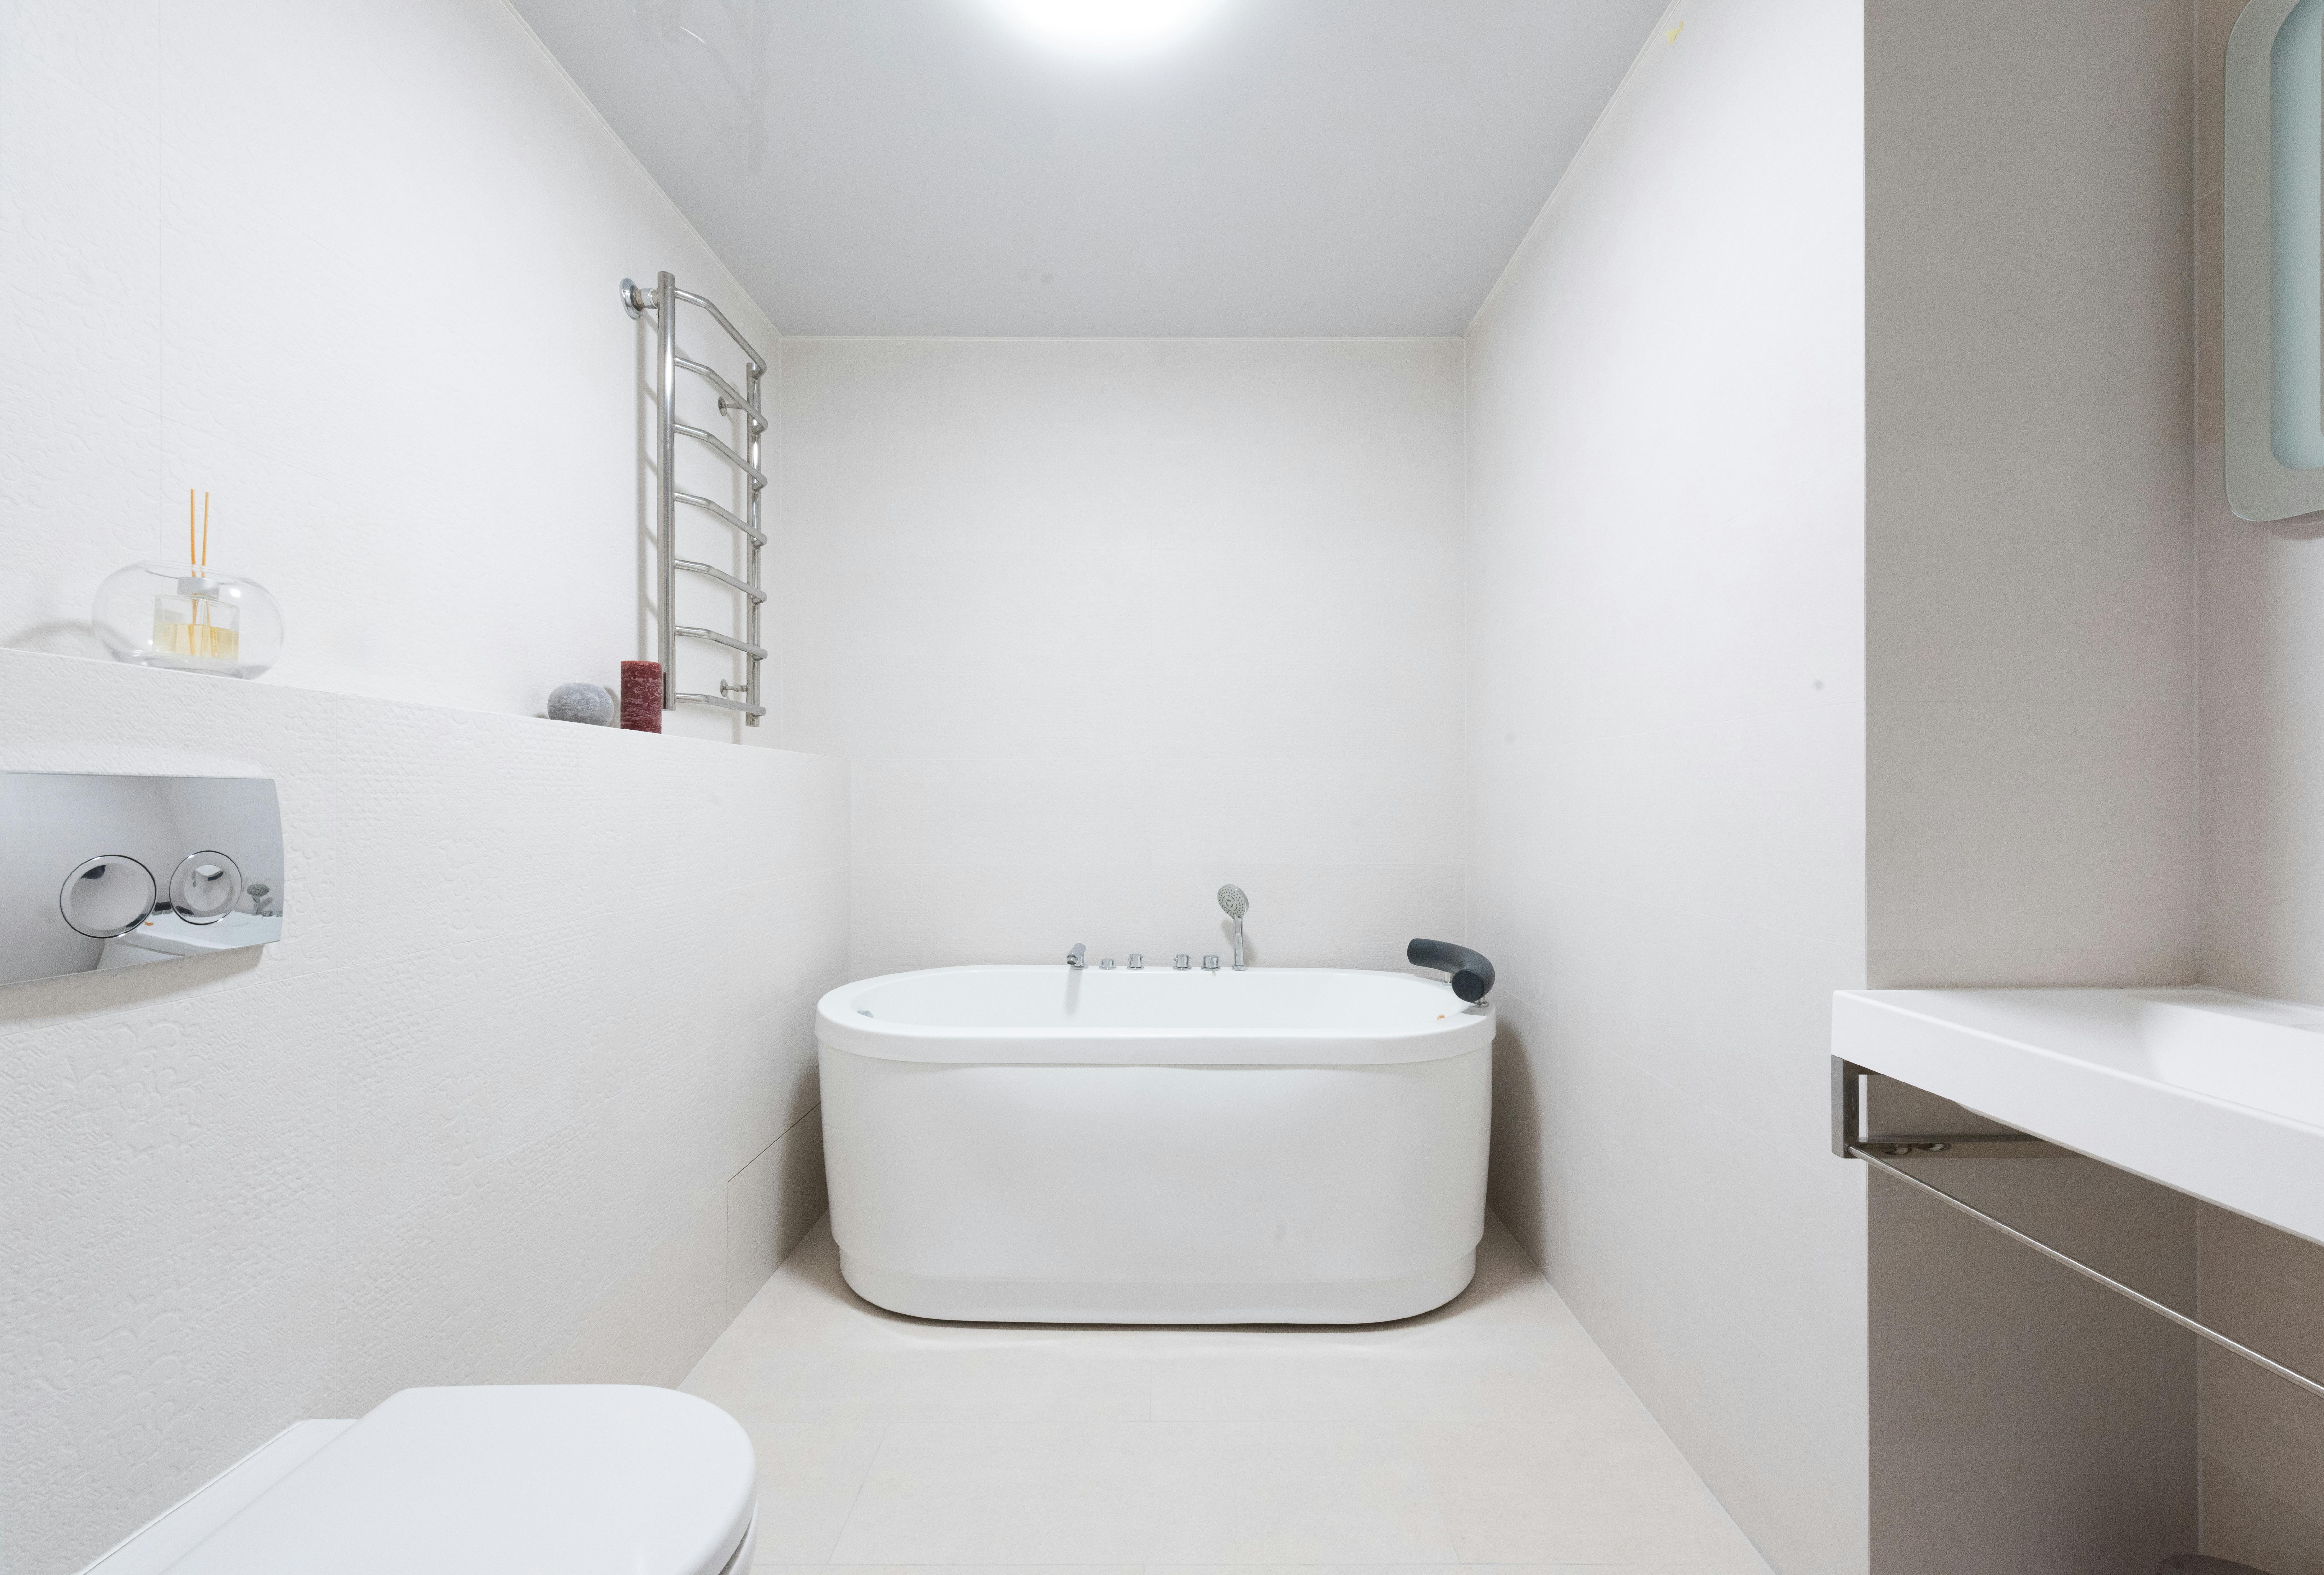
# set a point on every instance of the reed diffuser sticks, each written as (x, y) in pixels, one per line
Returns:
(191, 621)
(197, 555)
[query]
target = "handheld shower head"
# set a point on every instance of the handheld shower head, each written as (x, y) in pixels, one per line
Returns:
(1235, 905)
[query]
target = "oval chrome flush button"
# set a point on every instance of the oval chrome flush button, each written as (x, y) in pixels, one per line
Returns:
(107, 896)
(205, 886)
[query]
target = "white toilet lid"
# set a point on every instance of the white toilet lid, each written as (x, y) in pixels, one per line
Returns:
(574, 1479)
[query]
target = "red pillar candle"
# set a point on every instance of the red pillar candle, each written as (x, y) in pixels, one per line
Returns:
(641, 696)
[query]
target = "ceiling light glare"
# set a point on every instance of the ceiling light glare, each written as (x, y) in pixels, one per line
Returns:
(1104, 28)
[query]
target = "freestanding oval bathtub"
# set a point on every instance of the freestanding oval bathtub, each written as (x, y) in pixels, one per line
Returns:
(1080, 1145)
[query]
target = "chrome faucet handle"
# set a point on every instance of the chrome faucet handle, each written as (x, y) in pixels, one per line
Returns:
(1182, 961)
(1107, 963)
(1078, 956)
(1137, 960)
(1210, 962)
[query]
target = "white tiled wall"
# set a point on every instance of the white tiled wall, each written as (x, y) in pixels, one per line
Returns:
(526, 1092)
(1105, 623)
(2031, 772)
(1665, 748)
(352, 270)
(2262, 620)
(2031, 562)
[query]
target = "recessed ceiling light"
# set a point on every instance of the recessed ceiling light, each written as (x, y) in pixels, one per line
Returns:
(1104, 28)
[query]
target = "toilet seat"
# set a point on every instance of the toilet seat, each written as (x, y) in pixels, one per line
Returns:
(581, 1479)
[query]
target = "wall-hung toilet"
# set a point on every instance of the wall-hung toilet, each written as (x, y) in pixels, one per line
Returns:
(580, 1479)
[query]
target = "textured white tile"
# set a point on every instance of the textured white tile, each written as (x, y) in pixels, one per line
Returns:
(651, 1325)
(82, 112)
(459, 1125)
(166, 155)
(769, 1066)
(470, 1117)
(770, 1204)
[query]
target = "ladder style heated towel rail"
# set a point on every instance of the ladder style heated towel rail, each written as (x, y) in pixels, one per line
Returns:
(662, 301)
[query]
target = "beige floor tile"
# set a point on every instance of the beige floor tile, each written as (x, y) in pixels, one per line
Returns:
(1491, 1431)
(1581, 1387)
(808, 1476)
(1134, 1492)
(1562, 1494)
(754, 1383)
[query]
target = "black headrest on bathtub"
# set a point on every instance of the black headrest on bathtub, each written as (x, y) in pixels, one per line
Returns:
(1472, 971)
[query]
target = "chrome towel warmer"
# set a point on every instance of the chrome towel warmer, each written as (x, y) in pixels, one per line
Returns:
(667, 363)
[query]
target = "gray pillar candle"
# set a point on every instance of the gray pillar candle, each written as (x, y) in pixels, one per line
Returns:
(583, 702)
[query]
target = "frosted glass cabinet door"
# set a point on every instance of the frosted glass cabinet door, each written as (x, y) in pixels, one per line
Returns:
(2275, 260)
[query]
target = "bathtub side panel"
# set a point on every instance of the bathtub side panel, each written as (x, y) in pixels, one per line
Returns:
(1174, 1175)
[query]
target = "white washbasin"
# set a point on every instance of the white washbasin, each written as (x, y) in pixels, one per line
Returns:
(2218, 1095)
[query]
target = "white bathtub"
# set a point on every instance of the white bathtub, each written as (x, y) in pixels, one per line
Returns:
(1062, 1146)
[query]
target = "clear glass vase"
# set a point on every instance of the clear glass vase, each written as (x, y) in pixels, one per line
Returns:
(194, 619)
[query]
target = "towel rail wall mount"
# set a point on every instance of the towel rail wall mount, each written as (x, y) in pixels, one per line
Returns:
(749, 402)
(1851, 1140)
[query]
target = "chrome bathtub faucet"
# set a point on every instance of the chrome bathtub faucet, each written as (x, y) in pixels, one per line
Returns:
(1078, 956)
(1137, 960)
(1209, 962)
(1182, 961)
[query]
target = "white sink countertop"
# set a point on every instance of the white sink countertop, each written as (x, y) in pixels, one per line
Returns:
(2217, 1095)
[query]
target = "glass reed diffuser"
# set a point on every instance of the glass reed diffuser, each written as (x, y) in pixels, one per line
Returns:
(189, 615)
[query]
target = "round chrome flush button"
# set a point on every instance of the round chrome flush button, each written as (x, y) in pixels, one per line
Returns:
(205, 887)
(108, 896)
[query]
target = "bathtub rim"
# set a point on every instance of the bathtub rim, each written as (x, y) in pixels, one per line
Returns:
(1462, 1028)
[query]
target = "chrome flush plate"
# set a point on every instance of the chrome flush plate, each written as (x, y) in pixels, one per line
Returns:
(105, 871)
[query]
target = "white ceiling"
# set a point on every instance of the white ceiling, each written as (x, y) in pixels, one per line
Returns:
(1294, 167)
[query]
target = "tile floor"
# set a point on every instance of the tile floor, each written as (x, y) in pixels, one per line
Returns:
(1490, 1431)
